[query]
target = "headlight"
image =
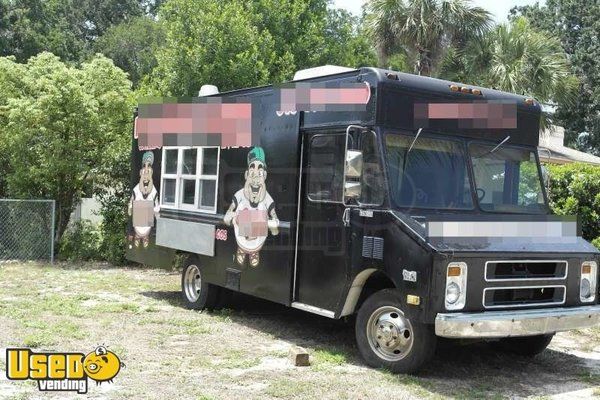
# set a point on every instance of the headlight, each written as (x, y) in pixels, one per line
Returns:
(456, 286)
(452, 293)
(585, 288)
(587, 285)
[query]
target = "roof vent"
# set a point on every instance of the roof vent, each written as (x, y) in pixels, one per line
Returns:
(208, 90)
(323, 70)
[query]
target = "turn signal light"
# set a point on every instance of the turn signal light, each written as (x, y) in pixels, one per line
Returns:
(454, 271)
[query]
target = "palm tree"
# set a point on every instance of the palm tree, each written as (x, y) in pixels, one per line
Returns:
(515, 58)
(423, 29)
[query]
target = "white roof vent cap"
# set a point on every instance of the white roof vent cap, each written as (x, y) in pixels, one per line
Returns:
(207, 90)
(323, 70)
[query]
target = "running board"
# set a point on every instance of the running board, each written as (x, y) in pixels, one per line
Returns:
(313, 309)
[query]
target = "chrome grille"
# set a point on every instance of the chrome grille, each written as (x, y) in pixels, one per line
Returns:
(511, 274)
(525, 270)
(524, 296)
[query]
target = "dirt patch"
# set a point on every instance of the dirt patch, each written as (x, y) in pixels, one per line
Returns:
(241, 352)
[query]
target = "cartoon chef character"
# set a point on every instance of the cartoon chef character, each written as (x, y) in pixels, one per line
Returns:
(143, 204)
(252, 210)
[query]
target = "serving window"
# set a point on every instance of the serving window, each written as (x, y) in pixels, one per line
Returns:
(189, 178)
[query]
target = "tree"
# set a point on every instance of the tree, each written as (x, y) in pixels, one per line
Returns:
(346, 42)
(133, 46)
(62, 128)
(424, 29)
(236, 43)
(576, 23)
(210, 42)
(67, 28)
(516, 58)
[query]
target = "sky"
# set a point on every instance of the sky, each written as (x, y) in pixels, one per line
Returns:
(498, 8)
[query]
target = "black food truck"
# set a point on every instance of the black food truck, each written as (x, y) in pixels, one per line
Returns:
(415, 203)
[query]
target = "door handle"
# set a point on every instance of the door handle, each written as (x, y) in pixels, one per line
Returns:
(346, 217)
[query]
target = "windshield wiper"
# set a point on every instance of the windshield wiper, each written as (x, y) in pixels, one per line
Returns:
(500, 144)
(414, 140)
(409, 149)
(495, 148)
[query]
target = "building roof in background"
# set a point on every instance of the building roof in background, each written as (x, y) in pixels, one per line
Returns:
(552, 149)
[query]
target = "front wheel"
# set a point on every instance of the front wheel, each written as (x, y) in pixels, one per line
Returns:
(386, 338)
(196, 292)
(527, 346)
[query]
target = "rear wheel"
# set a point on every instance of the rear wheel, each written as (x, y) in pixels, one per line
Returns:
(528, 346)
(196, 292)
(386, 338)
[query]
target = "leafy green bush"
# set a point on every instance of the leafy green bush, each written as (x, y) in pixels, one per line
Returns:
(114, 228)
(80, 242)
(596, 242)
(575, 190)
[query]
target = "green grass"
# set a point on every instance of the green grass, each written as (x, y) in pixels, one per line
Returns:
(223, 315)
(414, 384)
(322, 359)
(589, 378)
(238, 359)
(114, 308)
(287, 388)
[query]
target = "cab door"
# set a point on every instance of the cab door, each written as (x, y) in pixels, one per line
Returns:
(323, 239)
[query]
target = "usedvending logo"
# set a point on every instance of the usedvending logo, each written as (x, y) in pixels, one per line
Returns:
(62, 371)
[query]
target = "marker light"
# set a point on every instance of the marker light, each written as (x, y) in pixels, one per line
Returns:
(476, 92)
(587, 283)
(465, 89)
(454, 88)
(456, 286)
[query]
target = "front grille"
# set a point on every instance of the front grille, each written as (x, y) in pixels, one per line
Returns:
(525, 296)
(519, 270)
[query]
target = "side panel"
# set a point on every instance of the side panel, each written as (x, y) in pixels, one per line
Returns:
(248, 243)
(188, 236)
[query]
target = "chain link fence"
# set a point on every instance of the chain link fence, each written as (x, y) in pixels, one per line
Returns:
(26, 230)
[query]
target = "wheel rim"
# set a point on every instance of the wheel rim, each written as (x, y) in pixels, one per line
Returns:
(192, 283)
(389, 333)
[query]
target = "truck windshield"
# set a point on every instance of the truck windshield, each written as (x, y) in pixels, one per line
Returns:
(507, 179)
(433, 174)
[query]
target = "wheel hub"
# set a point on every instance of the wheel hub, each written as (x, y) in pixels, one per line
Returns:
(192, 283)
(389, 333)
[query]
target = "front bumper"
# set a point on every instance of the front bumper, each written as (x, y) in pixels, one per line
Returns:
(498, 324)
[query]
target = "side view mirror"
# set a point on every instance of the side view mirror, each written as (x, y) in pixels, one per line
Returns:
(353, 168)
(354, 164)
(352, 190)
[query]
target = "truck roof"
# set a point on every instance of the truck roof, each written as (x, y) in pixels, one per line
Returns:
(396, 96)
(405, 80)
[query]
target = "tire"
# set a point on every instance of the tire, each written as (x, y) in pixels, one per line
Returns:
(410, 343)
(528, 346)
(197, 294)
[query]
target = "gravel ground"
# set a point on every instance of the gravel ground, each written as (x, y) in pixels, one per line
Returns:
(240, 352)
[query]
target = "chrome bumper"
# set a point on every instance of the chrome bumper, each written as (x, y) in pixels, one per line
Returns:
(497, 324)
